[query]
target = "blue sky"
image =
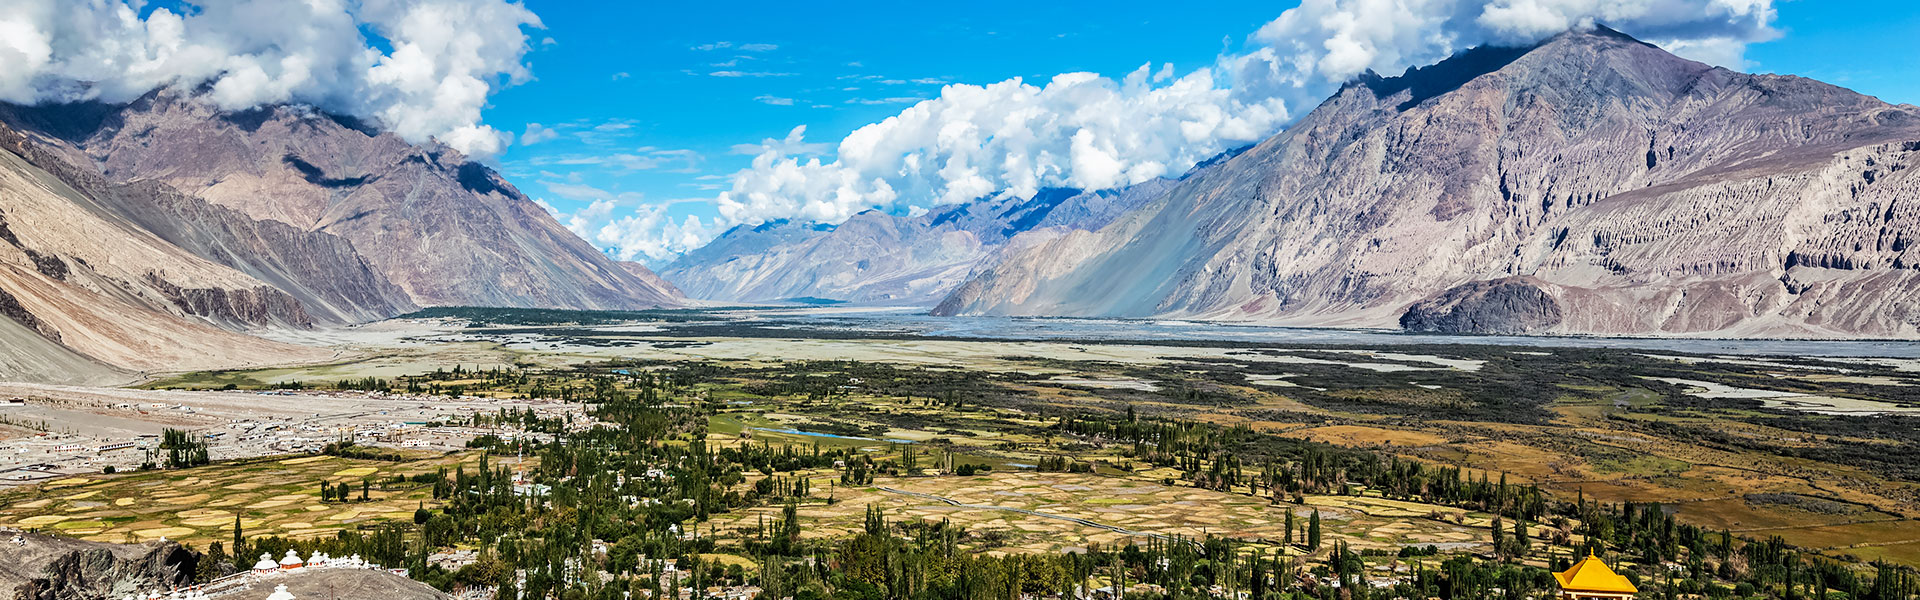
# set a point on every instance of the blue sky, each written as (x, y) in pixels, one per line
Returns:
(648, 103)
(644, 75)
(1866, 45)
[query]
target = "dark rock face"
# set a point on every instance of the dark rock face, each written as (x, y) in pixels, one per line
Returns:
(58, 569)
(237, 307)
(1501, 306)
(10, 308)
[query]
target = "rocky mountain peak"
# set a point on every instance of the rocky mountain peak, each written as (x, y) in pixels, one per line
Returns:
(1582, 63)
(879, 257)
(1631, 190)
(445, 228)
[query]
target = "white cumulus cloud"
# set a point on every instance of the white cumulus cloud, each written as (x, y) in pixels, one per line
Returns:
(1313, 48)
(1079, 129)
(647, 233)
(537, 133)
(1088, 131)
(441, 61)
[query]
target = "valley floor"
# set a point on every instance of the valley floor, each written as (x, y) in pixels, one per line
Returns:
(1819, 452)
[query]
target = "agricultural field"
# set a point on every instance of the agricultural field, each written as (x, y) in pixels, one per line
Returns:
(271, 496)
(1027, 511)
(1715, 438)
(1035, 448)
(1760, 472)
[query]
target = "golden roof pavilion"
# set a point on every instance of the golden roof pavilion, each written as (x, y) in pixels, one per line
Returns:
(1591, 579)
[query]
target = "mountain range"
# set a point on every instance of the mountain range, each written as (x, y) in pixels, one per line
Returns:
(1589, 184)
(879, 258)
(157, 234)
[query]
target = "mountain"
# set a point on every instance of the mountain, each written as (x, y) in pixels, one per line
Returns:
(91, 296)
(653, 280)
(875, 257)
(331, 281)
(1591, 184)
(158, 234)
(443, 229)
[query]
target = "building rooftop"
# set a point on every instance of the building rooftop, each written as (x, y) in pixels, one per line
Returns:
(1593, 575)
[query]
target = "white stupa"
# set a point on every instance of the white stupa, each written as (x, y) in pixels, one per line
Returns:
(292, 561)
(266, 563)
(280, 593)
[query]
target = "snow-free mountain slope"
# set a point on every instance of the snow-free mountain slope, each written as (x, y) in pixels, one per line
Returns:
(333, 283)
(1640, 192)
(880, 258)
(445, 229)
(82, 280)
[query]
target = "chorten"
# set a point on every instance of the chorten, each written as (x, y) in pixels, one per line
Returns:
(280, 593)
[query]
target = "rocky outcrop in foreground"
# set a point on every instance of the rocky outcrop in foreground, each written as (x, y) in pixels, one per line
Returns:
(51, 568)
(1641, 193)
(1504, 306)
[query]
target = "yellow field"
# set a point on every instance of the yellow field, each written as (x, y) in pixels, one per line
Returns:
(271, 497)
(1138, 506)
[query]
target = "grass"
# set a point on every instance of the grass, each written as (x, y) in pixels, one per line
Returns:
(274, 495)
(1130, 503)
(1579, 422)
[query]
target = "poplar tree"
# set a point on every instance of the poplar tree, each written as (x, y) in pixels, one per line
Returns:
(1313, 531)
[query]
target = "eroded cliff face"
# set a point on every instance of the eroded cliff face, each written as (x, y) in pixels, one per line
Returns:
(443, 229)
(1641, 193)
(880, 258)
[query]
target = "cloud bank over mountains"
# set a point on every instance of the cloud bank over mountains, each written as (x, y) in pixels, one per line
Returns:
(1079, 130)
(422, 68)
(1089, 131)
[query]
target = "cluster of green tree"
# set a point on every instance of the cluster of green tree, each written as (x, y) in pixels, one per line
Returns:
(365, 384)
(181, 448)
(343, 492)
(821, 380)
(1705, 563)
(525, 419)
(647, 481)
(346, 448)
(1062, 464)
(1217, 457)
